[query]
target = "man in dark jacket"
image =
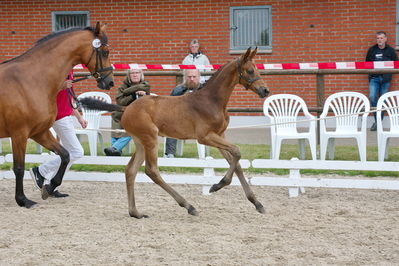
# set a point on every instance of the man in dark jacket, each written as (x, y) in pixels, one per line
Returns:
(379, 83)
(191, 82)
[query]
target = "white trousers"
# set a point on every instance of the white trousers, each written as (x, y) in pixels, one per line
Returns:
(65, 130)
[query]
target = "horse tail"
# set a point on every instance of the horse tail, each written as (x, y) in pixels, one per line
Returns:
(95, 104)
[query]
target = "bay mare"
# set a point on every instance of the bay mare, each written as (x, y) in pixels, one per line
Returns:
(29, 85)
(200, 115)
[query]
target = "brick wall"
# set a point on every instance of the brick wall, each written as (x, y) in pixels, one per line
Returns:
(158, 32)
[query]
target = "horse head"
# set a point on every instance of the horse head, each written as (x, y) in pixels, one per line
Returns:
(249, 75)
(98, 59)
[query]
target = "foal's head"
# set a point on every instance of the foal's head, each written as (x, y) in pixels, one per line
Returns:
(249, 74)
(98, 59)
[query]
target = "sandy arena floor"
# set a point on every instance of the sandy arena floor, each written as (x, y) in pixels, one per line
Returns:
(92, 227)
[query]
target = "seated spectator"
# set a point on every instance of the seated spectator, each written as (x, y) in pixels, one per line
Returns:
(132, 88)
(191, 82)
(195, 57)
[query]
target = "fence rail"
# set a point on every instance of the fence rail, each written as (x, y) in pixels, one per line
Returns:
(294, 182)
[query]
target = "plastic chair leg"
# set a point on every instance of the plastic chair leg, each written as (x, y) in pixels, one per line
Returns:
(100, 137)
(179, 147)
(93, 144)
(312, 144)
(362, 149)
(331, 148)
(323, 148)
(277, 149)
(201, 151)
(301, 149)
(386, 149)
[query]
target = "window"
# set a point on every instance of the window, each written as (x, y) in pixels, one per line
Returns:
(69, 19)
(250, 26)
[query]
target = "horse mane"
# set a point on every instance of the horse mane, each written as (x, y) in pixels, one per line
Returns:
(52, 36)
(213, 77)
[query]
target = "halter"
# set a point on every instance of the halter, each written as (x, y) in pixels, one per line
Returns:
(99, 63)
(241, 76)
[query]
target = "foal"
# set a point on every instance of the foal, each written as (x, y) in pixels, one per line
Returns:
(201, 115)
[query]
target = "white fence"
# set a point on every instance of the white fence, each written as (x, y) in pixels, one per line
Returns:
(294, 181)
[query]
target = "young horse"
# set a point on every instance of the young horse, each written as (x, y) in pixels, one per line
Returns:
(29, 85)
(200, 115)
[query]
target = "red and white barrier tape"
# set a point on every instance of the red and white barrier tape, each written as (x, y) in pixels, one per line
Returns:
(332, 65)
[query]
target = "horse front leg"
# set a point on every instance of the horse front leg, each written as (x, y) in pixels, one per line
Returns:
(131, 171)
(47, 140)
(19, 149)
(230, 152)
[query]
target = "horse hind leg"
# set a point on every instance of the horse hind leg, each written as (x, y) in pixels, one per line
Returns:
(19, 149)
(131, 171)
(47, 140)
(151, 169)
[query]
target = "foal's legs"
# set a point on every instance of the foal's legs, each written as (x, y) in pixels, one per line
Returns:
(247, 189)
(232, 154)
(47, 140)
(130, 173)
(152, 170)
(18, 152)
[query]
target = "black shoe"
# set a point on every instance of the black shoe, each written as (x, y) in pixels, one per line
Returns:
(374, 127)
(57, 194)
(37, 178)
(111, 151)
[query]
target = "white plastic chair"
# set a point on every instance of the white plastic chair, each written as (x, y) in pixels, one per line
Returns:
(93, 121)
(387, 101)
(346, 107)
(282, 108)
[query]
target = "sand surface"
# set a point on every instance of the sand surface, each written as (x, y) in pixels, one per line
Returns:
(92, 227)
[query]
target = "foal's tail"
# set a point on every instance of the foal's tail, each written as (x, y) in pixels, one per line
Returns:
(95, 104)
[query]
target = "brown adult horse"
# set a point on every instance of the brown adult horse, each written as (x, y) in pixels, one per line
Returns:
(200, 115)
(29, 85)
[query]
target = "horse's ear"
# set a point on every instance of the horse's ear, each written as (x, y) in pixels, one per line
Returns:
(253, 53)
(97, 30)
(103, 27)
(244, 57)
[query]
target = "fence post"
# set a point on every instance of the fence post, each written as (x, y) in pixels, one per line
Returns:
(295, 174)
(320, 100)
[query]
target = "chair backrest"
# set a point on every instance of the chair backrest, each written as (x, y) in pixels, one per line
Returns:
(283, 108)
(93, 116)
(389, 101)
(347, 107)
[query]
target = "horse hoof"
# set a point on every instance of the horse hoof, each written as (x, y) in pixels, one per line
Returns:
(260, 208)
(27, 203)
(192, 211)
(138, 215)
(30, 203)
(214, 188)
(45, 192)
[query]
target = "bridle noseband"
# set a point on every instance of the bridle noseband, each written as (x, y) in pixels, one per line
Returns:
(99, 65)
(241, 76)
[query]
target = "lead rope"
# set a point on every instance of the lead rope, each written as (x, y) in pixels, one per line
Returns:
(275, 124)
